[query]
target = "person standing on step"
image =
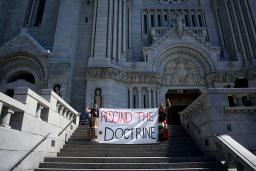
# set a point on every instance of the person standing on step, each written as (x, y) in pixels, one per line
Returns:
(162, 124)
(94, 123)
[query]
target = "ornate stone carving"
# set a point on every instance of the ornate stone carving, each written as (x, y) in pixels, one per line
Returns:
(129, 77)
(182, 72)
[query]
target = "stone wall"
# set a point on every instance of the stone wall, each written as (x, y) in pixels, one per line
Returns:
(82, 56)
(46, 31)
(26, 120)
(212, 115)
(114, 93)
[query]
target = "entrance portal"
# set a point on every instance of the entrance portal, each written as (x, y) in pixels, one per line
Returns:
(179, 99)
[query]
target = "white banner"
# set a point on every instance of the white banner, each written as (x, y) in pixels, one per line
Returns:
(128, 126)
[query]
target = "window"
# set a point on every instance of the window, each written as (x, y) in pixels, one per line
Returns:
(159, 20)
(145, 24)
(34, 14)
(152, 20)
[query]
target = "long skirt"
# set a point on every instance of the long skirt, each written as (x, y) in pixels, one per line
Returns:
(94, 128)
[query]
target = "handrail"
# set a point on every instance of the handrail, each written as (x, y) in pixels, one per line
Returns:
(68, 124)
(239, 153)
(29, 152)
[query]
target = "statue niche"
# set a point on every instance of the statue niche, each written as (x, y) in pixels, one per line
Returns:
(181, 71)
(98, 98)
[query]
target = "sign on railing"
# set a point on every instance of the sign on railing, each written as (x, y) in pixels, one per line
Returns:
(128, 126)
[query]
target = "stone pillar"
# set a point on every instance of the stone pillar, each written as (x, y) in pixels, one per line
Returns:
(65, 113)
(131, 96)
(61, 110)
(1, 106)
(93, 28)
(158, 98)
(130, 28)
(247, 36)
(6, 117)
(125, 26)
(120, 18)
(149, 98)
(154, 98)
(115, 31)
(140, 99)
(110, 29)
(250, 19)
(238, 29)
(57, 107)
(39, 112)
(101, 30)
(231, 28)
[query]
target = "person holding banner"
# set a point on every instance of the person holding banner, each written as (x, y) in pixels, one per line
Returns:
(94, 123)
(162, 124)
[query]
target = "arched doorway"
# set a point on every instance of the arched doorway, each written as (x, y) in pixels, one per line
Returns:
(20, 71)
(179, 99)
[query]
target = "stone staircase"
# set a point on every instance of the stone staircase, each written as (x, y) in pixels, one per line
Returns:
(179, 153)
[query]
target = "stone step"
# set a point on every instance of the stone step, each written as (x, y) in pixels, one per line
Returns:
(75, 144)
(127, 150)
(166, 169)
(171, 140)
(130, 159)
(130, 154)
(130, 165)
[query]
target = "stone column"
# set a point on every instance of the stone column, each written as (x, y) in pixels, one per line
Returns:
(244, 25)
(93, 27)
(149, 98)
(250, 19)
(130, 28)
(61, 111)
(120, 31)
(65, 113)
(154, 98)
(131, 96)
(6, 117)
(140, 99)
(238, 29)
(110, 29)
(125, 26)
(39, 112)
(231, 28)
(158, 98)
(57, 107)
(115, 31)
(1, 106)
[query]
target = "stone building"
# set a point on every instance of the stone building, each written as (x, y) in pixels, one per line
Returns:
(126, 53)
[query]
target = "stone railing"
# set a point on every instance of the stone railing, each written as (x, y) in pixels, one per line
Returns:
(26, 119)
(222, 111)
(236, 156)
(159, 31)
(200, 32)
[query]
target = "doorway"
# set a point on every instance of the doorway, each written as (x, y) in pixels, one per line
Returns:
(179, 99)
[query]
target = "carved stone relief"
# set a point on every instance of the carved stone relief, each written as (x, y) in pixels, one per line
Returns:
(181, 71)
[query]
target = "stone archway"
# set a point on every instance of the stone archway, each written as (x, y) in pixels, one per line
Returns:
(21, 70)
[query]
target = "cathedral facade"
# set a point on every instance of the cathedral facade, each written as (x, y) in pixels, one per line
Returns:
(126, 53)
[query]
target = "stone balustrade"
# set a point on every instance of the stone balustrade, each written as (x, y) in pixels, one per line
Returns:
(236, 156)
(214, 113)
(200, 33)
(28, 117)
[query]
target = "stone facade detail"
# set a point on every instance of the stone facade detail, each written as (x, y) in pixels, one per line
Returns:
(143, 48)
